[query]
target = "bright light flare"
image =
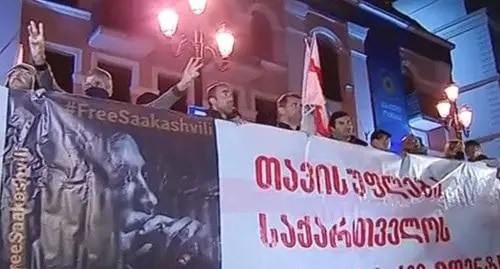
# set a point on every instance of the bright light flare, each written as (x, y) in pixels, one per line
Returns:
(225, 41)
(168, 19)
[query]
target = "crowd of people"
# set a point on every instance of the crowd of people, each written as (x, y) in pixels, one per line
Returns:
(220, 96)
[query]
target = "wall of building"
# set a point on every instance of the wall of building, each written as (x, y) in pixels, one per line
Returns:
(358, 47)
(475, 67)
(9, 37)
(301, 21)
(265, 80)
(262, 81)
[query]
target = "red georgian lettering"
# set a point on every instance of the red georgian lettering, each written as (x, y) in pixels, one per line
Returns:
(373, 180)
(304, 233)
(344, 234)
(438, 226)
(323, 178)
(362, 232)
(491, 263)
(413, 224)
(471, 263)
(388, 181)
(358, 184)
(455, 264)
(333, 236)
(264, 237)
(321, 238)
(339, 184)
(288, 239)
(291, 183)
(381, 236)
(267, 172)
(438, 190)
(393, 233)
(413, 189)
(307, 184)
(425, 189)
(440, 265)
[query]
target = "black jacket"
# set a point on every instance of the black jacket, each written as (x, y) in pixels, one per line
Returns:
(357, 141)
(212, 113)
(286, 126)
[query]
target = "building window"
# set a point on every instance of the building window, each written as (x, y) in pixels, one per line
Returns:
(71, 3)
(121, 81)
(164, 84)
(266, 111)
(330, 66)
(262, 36)
(63, 67)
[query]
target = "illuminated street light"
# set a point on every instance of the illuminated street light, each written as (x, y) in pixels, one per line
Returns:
(444, 108)
(168, 20)
(198, 6)
(459, 120)
(452, 92)
(465, 116)
(225, 41)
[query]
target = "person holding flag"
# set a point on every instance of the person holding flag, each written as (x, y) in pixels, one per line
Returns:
(315, 120)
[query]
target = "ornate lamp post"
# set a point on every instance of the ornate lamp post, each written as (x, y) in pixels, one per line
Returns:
(458, 119)
(169, 19)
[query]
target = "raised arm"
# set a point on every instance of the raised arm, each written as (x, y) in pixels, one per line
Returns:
(170, 97)
(36, 41)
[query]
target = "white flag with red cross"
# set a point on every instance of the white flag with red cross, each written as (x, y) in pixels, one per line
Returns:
(314, 115)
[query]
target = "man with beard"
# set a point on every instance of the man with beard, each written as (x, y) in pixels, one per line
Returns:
(37, 76)
(221, 102)
(149, 239)
(289, 111)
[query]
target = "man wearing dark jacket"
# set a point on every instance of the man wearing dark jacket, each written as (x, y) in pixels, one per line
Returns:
(473, 151)
(221, 102)
(37, 76)
(289, 111)
(342, 129)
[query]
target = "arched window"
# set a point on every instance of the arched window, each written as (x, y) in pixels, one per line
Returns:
(329, 57)
(261, 34)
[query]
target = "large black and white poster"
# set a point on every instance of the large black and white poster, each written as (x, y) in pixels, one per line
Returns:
(98, 184)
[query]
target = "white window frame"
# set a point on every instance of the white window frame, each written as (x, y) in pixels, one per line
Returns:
(134, 67)
(78, 59)
(63, 9)
(157, 71)
(336, 41)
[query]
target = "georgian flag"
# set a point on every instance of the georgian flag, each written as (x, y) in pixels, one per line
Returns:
(314, 116)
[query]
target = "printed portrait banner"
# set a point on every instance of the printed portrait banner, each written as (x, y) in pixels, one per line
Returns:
(292, 201)
(96, 184)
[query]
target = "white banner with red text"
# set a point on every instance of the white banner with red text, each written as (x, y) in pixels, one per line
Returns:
(292, 201)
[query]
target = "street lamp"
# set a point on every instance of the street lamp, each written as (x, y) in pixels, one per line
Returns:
(169, 19)
(458, 119)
